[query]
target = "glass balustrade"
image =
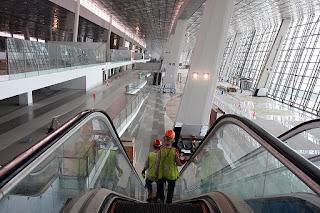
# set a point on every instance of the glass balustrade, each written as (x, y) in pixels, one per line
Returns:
(226, 163)
(89, 156)
(31, 58)
(128, 113)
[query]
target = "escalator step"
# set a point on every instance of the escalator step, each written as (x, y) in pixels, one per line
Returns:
(132, 207)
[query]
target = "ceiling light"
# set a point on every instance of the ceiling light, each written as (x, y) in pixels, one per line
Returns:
(206, 76)
(195, 75)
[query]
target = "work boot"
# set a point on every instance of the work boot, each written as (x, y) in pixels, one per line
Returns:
(149, 195)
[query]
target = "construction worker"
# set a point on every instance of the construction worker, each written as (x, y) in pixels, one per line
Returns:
(166, 169)
(149, 167)
(83, 152)
(108, 176)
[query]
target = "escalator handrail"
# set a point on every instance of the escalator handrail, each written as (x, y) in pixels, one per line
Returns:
(300, 166)
(11, 169)
(312, 124)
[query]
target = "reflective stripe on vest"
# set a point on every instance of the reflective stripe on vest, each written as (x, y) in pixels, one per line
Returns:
(152, 162)
(168, 168)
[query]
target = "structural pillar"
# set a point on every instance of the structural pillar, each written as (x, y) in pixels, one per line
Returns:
(268, 69)
(26, 31)
(69, 27)
(26, 98)
(173, 56)
(76, 21)
(198, 93)
(109, 33)
(121, 42)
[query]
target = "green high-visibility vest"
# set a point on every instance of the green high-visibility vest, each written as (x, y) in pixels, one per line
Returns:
(210, 164)
(83, 152)
(109, 168)
(168, 168)
(152, 162)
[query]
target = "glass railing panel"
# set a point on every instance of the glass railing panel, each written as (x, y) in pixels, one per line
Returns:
(224, 164)
(306, 143)
(30, 58)
(90, 156)
(116, 122)
(129, 112)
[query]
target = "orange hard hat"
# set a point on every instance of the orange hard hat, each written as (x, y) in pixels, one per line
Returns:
(170, 133)
(157, 143)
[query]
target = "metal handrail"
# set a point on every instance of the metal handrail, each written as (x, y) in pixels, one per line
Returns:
(301, 167)
(14, 167)
(312, 124)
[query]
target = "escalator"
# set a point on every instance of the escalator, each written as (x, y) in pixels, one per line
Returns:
(83, 167)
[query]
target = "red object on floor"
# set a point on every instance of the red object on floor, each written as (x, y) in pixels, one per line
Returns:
(94, 94)
(107, 83)
(118, 78)
(254, 114)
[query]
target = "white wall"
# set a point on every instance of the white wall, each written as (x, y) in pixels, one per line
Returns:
(93, 76)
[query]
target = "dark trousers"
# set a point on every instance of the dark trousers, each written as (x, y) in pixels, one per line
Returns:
(160, 189)
(148, 184)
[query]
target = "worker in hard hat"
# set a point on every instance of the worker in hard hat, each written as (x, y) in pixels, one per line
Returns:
(83, 152)
(108, 176)
(149, 167)
(166, 169)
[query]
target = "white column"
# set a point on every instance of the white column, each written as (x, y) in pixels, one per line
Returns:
(26, 98)
(231, 54)
(198, 93)
(109, 33)
(268, 69)
(76, 22)
(173, 57)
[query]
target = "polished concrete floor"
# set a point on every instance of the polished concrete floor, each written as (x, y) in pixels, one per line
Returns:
(23, 127)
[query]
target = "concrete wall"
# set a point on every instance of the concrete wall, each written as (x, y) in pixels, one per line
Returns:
(148, 66)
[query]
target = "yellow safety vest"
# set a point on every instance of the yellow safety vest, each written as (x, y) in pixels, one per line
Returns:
(168, 168)
(152, 162)
(211, 164)
(84, 151)
(109, 168)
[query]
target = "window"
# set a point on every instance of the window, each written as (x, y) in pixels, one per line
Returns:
(298, 68)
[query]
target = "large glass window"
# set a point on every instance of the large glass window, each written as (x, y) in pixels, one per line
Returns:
(241, 54)
(296, 79)
(252, 52)
(259, 51)
(227, 50)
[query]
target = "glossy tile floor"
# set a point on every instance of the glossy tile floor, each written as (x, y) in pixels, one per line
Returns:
(271, 115)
